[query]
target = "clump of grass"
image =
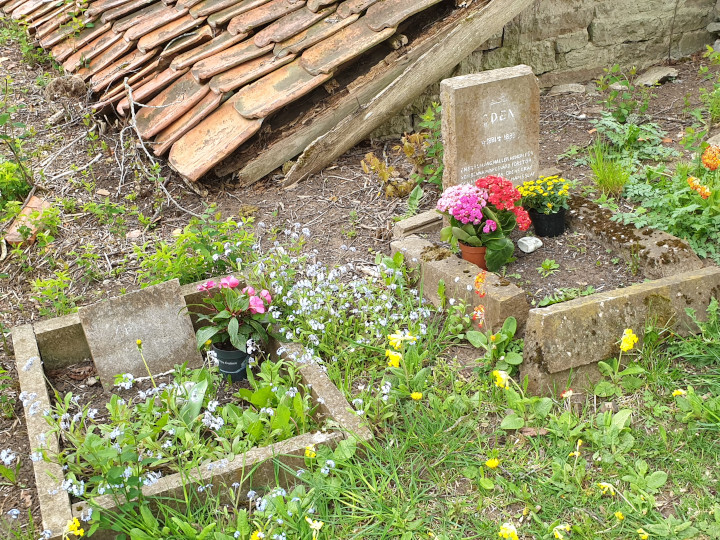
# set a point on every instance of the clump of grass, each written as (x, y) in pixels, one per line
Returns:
(611, 174)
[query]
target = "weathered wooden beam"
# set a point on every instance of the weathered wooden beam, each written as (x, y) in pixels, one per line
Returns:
(449, 49)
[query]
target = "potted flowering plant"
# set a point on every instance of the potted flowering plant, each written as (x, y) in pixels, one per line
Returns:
(481, 218)
(546, 200)
(237, 321)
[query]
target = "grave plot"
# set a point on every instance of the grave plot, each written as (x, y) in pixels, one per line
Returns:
(157, 461)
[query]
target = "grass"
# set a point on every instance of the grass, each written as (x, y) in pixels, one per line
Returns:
(611, 174)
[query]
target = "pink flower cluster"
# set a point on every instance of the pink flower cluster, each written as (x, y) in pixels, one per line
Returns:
(257, 301)
(464, 202)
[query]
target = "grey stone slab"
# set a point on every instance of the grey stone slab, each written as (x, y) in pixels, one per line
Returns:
(656, 75)
(61, 341)
(155, 315)
(31, 377)
(570, 88)
(491, 125)
(429, 221)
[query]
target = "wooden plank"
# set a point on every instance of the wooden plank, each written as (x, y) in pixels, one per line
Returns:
(447, 46)
(467, 36)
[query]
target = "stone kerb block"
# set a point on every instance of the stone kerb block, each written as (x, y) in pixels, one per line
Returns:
(157, 316)
(501, 299)
(564, 342)
(491, 125)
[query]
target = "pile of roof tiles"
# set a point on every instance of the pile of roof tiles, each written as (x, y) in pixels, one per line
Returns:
(208, 72)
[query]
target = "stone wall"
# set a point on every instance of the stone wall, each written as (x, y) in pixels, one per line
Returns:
(573, 40)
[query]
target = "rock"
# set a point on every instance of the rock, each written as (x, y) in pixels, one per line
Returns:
(617, 86)
(656, 75)
(571, 88)
(713, 27)
(157, 316)
(528, 244)
(591, 89)
(91, 381)
(103, 192)
(714, 140)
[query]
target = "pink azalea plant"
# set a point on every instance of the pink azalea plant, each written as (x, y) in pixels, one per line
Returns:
(234, 314)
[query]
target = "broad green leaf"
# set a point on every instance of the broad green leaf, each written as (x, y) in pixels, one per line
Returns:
(191, 408)
(605, 389)
(512, 421)
(486, 483)
(621, 418)
(513, 358)
(656, 480)
(476, 339)
(205, 333)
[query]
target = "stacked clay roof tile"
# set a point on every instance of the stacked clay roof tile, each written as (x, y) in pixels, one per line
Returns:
(208, 72)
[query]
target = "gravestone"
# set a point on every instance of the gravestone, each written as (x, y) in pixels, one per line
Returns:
(491, 125)
(157, 316)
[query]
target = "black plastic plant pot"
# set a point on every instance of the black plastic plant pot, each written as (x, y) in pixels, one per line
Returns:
(548, 225)
(233, 363)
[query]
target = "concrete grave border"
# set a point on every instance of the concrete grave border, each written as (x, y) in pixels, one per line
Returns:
(60, 342)
(564, 342)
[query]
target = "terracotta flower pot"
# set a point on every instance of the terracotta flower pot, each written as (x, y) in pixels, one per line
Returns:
(232, 362)
(548, 225)
(475, 255)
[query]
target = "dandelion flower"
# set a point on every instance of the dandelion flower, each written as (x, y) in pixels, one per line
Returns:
(502, 379)
(619, 515)
(417, 396)
(679, 392)
(628, 341)
(492, 463)
(257, 535)
(508, 531)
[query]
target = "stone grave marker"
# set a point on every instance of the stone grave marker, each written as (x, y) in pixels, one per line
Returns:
(156, 316)
(491, 125)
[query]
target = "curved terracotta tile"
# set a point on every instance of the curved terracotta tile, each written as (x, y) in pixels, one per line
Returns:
(229, 58)
(262, 15)
(315, 34)
(290, 25)
(149, 24)
(101, 6)
(167, 32)
(105, 59)
(40, 12)
(92, 50)
(350, 7)
(41, 22)
(214, 46)
(165, 139)
(169, 105)
(184, 43)
(390, 13)
(243, 74)
(128, 63)
(127, 22)
(63, 50)
(187, 3)
(208, 7)
(274, 91)
(13, 5)
(316, 5)
(348, 43)
(147, 88)
(137, 79)
(63, 32)
(26, 8)
(211, 141)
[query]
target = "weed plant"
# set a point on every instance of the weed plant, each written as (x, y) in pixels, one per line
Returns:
(611, 174)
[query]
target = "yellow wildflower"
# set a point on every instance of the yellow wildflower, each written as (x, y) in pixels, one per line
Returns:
(139, 343)
(502, 379)
(417, 396)
(619, 515)
(393, 358)
(679, 392)
(257, 535)
(315, 526)
(606, 488)
(73, 527)
(492, 463)
(310, 451)
(558, 531)
(642, 534)
(396, 340)
(628, 341)
(508, 531)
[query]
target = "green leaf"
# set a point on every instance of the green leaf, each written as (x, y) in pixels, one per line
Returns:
(191, 409)
(281, 418)
(621, 418)
(509, 327)
(205, 333)
(232, 328)
(513, 358)
(147, 517)
(656, 480)
(512, 421)
(543, 407)
(486, 483)
(605, 389)
(461, 235)
(476, 339)
(345, 449)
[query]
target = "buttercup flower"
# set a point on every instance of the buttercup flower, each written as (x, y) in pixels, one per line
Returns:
(398, 338)
(393, 358)
(502, 379)
(417, 396)
(679, 392)
(492, 463)
(508, 531)
(257, 535)
(619, 515)
(558, 532)
(628, 341)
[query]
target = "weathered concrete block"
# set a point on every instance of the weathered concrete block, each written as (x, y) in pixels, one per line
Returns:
(31, 377)
(571, 41)
(540, 56)
(563, 89)
(498, 297)
(590, 56)
(61, 341)
(611, 31)
(583, 331)
(691, 42)
(430, 221)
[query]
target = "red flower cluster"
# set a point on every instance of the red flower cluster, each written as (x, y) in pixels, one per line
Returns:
(503, 196)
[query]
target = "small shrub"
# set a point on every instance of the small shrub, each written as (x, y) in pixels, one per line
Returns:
(13, 186)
